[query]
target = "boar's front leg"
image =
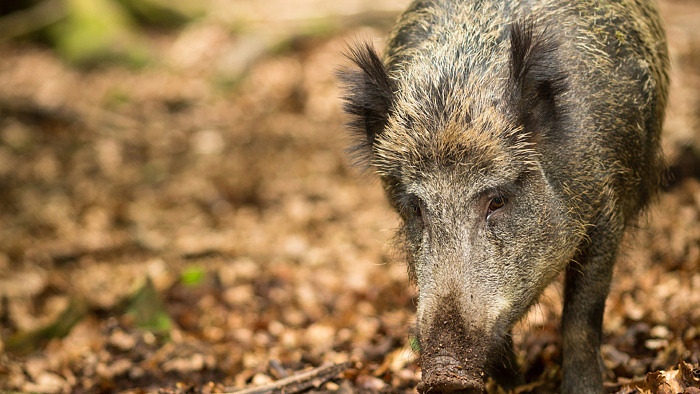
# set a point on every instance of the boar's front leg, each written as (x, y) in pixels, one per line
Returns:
(587, 285)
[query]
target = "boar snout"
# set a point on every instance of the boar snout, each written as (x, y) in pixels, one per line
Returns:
(452, 352)
(445, 374)
(449, 378)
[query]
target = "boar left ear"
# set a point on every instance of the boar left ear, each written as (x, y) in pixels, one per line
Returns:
(367, 94)
(537, 77)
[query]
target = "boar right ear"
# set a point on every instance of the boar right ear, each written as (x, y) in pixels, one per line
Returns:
(537, 76)
(367, 94)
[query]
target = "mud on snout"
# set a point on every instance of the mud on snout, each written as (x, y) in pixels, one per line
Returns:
(453, 352)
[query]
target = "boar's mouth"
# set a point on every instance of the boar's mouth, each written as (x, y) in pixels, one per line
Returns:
(446, 374)
(453, 353)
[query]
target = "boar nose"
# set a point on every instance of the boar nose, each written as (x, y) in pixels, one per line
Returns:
(448, 378)
(453, 351)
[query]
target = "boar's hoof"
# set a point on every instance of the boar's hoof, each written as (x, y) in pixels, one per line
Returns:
(449, 377)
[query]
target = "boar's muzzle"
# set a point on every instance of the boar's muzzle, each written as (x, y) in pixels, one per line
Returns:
(453, 353)
(449, 378)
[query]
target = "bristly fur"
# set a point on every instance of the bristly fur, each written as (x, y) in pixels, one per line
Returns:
(554, 107)
(367, 94)
(533, 58)
(537, 76)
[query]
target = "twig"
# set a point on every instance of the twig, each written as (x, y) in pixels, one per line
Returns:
(300, 381)
(28, 110)
(277, 370)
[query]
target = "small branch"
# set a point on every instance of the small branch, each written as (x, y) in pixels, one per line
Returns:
(28, 110)
(300, 381)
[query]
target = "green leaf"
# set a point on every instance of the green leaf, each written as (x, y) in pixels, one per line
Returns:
(192, 276)
(415, 345)
(147, 309)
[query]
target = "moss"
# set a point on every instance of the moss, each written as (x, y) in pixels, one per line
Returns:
(165, 13)
(96, 31)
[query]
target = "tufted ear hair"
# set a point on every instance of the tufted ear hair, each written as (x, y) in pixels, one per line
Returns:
(367, 95)
(537, 78)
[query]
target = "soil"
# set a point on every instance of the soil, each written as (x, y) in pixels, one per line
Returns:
(195, 226)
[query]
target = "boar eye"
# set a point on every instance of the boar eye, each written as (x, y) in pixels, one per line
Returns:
(496, 203)
(415, 206)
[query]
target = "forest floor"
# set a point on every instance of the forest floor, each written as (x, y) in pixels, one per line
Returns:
(195, 226)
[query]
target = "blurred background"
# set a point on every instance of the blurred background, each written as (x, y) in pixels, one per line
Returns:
(177, 210)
